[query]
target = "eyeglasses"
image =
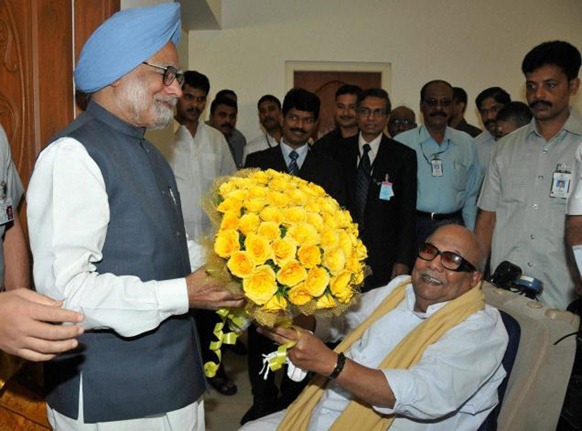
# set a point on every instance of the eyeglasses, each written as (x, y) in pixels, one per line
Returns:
(449, 260)
(433, 103)
(365, 112)
(397, 122)
(170, 73)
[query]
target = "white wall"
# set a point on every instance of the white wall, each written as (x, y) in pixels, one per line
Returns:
(474, 44)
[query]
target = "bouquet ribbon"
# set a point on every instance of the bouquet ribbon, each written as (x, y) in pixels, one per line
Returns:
(275, 360)
(235, 319)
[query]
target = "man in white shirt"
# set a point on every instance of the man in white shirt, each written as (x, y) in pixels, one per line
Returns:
(270, 117)
(382, 371)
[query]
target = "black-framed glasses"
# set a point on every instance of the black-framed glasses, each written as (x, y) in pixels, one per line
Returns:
(170, 73)
(449, 260)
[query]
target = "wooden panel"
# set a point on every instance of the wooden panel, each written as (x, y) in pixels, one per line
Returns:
(326, 83)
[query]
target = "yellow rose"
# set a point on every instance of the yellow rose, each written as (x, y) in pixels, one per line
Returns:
(229, 221)
(249, 223)
(230, 204)
(255, 205)
(226, 243)
(279, 184)
(361, 250)
(272, 214)
(260, 177)
(328, 205)
(291, 273)
(316, 221)
(312, 207)
(277, 199)
(241, 264)
(258, 192)
(334, 260)
(226, 188)
(269, 229)
(359, 277)
(261, 285)
(298, 295)
(257, 246)
(329, 239)
(284, 250)
(297, 197)
(345, 243)
(353, 264)
(326, 301)
(303, 233)
(340, 287)
(329, 220)
(294, 215)
(317, 190)
(238, 194)
(309, 255)
(275, 304)
(317, 280)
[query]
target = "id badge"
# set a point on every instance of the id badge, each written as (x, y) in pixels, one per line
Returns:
(436, 167)
(560, 185)
(6, 212)
(386, 191)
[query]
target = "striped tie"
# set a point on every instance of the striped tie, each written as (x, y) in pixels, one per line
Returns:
(362, 183)
(293, 168)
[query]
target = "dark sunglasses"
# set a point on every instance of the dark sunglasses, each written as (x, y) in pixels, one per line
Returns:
(449, 260)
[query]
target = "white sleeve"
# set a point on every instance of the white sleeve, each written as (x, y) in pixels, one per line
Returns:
(68, 216)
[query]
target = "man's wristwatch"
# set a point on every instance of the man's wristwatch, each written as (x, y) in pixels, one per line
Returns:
(339, 366)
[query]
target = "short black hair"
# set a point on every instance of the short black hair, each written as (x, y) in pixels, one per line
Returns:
(226, 93)
(348, 89)
(562, 54)
(498, 94)
(459, 95)
(374, 92)
(270, 98)
(302, 100)
(222, 101)
(196, 80)
(434, 81)
(516, 112)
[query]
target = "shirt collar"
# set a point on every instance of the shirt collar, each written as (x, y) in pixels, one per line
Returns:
(286, 149)
(374, 145)
(410, 299)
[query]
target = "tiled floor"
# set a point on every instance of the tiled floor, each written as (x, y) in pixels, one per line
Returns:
(223, 413)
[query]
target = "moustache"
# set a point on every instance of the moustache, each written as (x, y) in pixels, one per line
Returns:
(168, 100)
(298, 130)
(438, 114)
(347, 117)
(194, 111)
(537, 103)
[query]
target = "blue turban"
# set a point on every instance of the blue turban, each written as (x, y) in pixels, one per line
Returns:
(123, 42)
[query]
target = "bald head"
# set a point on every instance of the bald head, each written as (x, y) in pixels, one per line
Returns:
(434, 283)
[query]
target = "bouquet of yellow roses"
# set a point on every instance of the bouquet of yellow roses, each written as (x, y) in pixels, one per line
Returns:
(288, 244)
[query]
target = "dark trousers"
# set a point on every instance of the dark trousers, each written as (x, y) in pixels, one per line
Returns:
(266, 392)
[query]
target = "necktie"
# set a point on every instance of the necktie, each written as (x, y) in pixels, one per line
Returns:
(293, 168)
(362, 183)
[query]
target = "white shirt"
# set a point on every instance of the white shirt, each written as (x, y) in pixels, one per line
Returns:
(197, 161)
(286, 150)
(459, 373)
(260, 143)
(485, 143)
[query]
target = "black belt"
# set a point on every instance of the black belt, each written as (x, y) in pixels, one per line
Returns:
(441, 216)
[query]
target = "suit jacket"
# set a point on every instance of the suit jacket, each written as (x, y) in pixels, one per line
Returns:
(317, 168)
(389, 226)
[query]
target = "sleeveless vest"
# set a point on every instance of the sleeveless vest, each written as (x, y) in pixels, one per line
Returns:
(154, 372)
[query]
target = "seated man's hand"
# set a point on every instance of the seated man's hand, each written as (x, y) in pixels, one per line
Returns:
(25, 330)
(310, 353)
(206, 292)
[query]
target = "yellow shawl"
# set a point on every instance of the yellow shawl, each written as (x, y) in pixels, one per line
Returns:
(407, 353)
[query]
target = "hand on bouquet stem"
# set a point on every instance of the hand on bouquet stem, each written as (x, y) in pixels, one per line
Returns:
(309, 352)
(209, 293)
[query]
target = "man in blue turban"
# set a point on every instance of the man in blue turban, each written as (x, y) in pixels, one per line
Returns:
(108, 239)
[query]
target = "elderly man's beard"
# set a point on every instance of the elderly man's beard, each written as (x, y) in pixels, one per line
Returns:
(160, 110)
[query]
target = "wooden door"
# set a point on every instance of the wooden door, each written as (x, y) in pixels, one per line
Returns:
(325, 84)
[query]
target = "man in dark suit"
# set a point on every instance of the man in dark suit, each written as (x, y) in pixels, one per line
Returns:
(293, 155)
(381, 179)
(300, 115)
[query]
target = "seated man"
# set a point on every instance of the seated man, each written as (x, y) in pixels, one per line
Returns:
(422, 352)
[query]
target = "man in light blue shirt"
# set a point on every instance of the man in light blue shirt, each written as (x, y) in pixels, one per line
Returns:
(448, 169)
